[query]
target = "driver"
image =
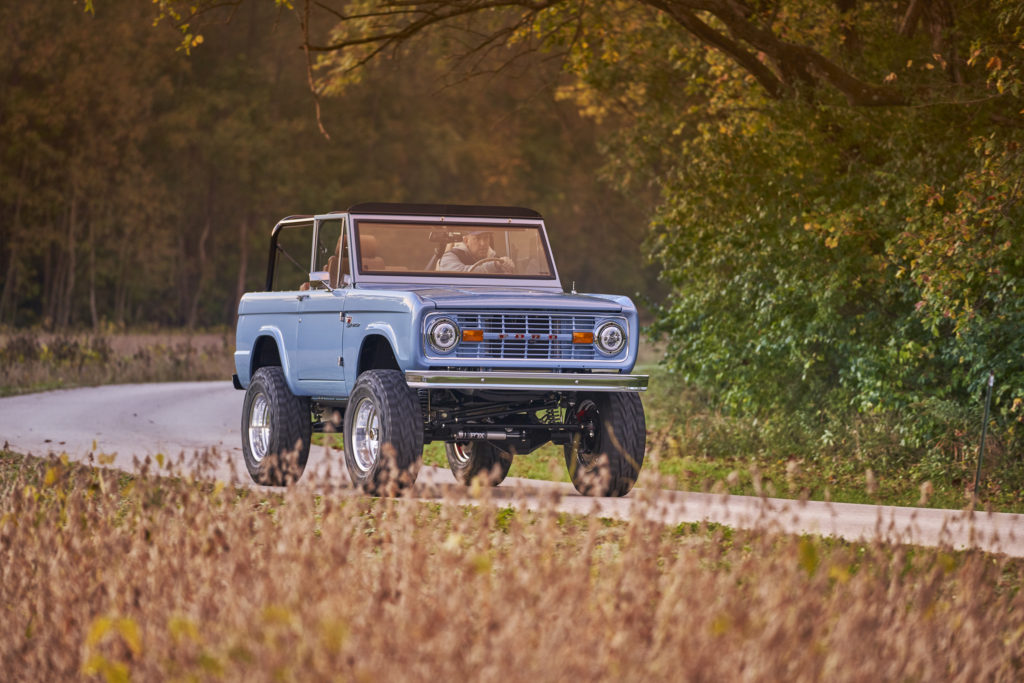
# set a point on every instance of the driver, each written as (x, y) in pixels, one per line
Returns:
(474, 247)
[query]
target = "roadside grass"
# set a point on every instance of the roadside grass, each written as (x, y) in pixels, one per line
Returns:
(155, 576)
(32, 361)
(692, 447)
(546, 463)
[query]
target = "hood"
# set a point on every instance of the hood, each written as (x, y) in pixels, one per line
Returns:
(514, 297)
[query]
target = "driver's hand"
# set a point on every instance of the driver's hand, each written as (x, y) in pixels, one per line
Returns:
(506, 265)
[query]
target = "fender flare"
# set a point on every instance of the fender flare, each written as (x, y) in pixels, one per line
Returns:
(377, 329)
(273, 332)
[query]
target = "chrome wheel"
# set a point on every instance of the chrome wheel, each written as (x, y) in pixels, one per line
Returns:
(383, 433)
(366, 435)
(607, 450)
(276, 429)
(461, 454)
(469, 460)
(259, 427)
(585, 443)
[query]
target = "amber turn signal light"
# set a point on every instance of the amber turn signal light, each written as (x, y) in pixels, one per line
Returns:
(472, 335)
(582, 337)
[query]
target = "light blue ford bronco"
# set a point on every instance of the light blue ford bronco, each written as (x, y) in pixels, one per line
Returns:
(402, 324)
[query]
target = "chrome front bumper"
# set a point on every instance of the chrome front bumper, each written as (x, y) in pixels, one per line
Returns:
(525, 381)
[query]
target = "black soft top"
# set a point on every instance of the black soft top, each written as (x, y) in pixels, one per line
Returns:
(387, 208)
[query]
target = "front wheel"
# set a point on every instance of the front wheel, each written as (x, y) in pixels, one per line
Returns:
(383, 433)
(276, 429)
(606, 454)
(478, 458)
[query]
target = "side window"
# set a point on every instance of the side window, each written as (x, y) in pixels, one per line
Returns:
(291, 266)
(330, 250)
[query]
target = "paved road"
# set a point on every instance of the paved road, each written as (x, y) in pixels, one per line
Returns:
(125, 422)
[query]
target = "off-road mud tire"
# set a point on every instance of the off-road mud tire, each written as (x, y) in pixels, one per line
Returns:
(481, 459)
(399, 433)
(609, 463)
(288, 429)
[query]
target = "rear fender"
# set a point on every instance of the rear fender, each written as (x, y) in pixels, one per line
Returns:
(270, 341)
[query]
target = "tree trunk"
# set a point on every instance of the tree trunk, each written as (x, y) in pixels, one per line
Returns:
(64, 305)
(120, 292)
(8, 299)
(92, 277)
(183, 273)
(54, 270)
(9, 296)
(120, 286)
(193, 313)
(243, 265)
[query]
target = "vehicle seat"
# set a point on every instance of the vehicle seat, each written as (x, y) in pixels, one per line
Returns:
(370, 260)
(332, 271)
(332, 263)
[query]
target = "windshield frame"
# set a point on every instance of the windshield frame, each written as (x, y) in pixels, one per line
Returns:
(451, 277)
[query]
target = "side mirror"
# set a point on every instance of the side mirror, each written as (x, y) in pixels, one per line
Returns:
(321, 276)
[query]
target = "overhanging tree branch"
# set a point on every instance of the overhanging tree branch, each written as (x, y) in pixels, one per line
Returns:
(427, 18)
(780, 66)
(746, 59)
(793, 60)
(309, 69)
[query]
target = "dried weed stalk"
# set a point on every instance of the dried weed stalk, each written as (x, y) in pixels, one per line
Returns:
(157, 577)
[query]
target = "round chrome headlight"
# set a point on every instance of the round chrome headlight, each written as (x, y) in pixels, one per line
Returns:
(610, 338)
(443, 334)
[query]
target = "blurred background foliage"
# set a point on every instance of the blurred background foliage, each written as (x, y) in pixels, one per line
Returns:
(831, 193)
(139, 185)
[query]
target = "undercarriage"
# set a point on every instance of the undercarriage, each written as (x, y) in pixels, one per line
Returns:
(509, 420)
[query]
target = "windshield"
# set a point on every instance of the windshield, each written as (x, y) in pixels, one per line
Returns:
(465, 250)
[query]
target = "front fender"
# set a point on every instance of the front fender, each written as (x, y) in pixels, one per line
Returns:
(354, 351)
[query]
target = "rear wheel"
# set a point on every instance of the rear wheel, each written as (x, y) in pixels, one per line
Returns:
(605, 456)
(469, 460)
(276, 429)
(383, 433)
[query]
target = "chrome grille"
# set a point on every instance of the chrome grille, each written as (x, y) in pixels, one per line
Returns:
(525, 335)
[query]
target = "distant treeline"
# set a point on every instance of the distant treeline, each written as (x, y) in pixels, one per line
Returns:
(139, 184)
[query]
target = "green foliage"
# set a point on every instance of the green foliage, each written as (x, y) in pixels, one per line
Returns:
(832, 266)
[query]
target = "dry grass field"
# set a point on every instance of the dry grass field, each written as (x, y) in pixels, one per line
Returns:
(34, 361)
(114, 577)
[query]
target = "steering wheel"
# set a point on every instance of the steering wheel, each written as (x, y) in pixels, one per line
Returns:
(485, 261)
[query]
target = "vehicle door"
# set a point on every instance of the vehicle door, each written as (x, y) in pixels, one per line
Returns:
(275, 311)
(321, 323)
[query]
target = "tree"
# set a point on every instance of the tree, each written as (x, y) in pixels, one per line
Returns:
(840, 211)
